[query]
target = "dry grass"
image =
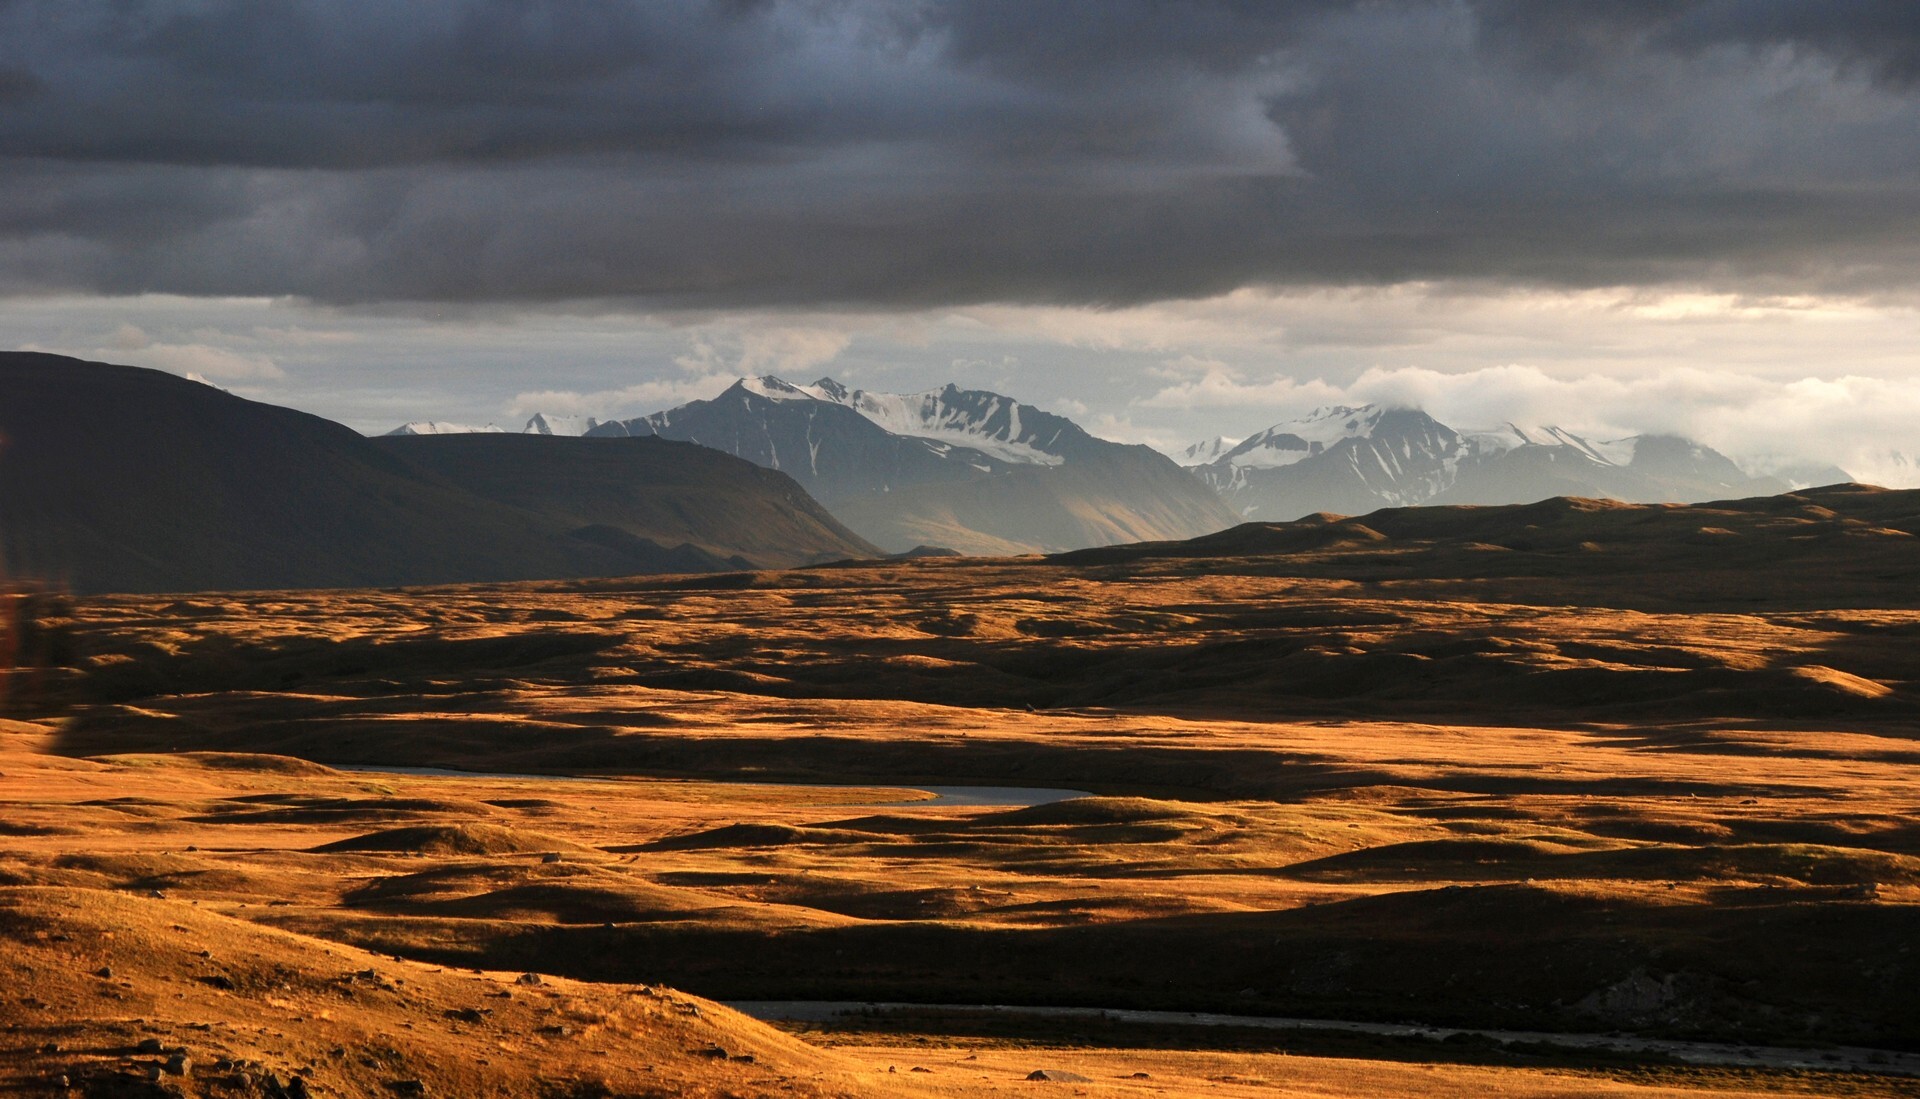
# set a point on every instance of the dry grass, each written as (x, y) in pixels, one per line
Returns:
(260, 1002)
(1373, 778)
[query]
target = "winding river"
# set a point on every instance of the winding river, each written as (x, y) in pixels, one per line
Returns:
(1837, 1058)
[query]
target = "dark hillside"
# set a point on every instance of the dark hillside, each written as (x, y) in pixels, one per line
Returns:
(649, 487)
(116, 478)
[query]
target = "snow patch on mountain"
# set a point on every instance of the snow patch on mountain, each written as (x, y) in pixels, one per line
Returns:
(443, 427)
(1283, 444)
(542, 424)
(1205, 451)
(1511, 436)
(779, 389)
(974, 419)
(539, 424)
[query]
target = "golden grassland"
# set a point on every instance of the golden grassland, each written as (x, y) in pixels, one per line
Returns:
(180, 899)
(1599, 768)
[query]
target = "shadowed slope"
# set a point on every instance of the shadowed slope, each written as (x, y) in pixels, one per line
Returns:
(115, 478)
(724, 512)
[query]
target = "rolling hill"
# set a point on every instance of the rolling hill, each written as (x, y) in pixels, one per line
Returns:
(115, 478)
(720, 511)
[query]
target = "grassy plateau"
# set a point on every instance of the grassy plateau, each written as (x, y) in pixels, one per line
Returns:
(1574, 768)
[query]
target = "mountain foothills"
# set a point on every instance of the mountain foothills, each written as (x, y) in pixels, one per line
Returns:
(1353, 460)
(116, 478)
(971, 470)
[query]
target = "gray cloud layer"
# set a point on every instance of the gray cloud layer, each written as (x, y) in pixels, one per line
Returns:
(912, 154)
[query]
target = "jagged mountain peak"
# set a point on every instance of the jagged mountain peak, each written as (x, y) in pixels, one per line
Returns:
(1205, 451)
(965, 468)
(541, 423)
(1355, 459)
(772, 388)
(1292, 441)
(833, 390)
(995, 425)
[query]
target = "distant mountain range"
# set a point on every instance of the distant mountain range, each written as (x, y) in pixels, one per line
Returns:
(961, 468)
(1353, 460)
(115, 478)
(538, 424)
(983, 473)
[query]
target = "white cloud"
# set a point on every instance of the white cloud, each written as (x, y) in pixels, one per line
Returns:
(773, 344)
(790, 350)
(1768, 380)
(632, 400)
(1219, 386)
(213, 362)
(198, 361)
(1122, 429)
(716, 355)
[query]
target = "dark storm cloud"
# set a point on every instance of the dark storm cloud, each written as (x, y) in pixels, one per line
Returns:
(901, 153)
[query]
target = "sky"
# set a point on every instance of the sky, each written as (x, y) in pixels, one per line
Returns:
(1169, 220)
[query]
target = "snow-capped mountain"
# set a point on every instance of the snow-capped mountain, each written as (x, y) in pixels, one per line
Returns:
(969, 418)
(1345, 460)
(1356, 460)
(1286, 443)
(969, 469)
(539, 424)
(1509, 436)
(442, 427)
(1207, 450)
(983, 473)
(542, 424)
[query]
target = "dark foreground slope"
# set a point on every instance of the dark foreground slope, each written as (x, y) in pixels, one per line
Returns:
(115, 478)
(675, 494)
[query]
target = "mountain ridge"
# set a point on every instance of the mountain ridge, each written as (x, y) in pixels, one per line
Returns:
(935, 466)
(1353, 460)
(970, 469)
(119, 478)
